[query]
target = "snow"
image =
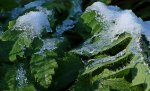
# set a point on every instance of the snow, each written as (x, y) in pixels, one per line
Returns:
(47, 12)
(67, 24)
(33, 22)
(106, 59)
(50, 44)
(21, 76)
(115, 22)
(125, 20)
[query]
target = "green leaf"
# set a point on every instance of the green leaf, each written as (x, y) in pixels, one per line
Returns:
(109, 65)
(35, 46)
(10, 35)
(117, 84)
(28, 87)
(83, 84)
(89, 25)
(141, 76)
(19, 47)
(43, 68)
(8, 79)
(67, 72)
(11, 24)
(139, 87)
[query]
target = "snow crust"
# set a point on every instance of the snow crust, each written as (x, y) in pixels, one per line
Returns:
(33, 22)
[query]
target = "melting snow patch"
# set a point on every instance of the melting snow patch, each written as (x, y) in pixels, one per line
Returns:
(50, 44)
(33, 22)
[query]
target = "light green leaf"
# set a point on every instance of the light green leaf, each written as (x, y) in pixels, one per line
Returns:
(43, 68)
(117, 84)
(10, 35)
(19, 47)
(11, 24)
